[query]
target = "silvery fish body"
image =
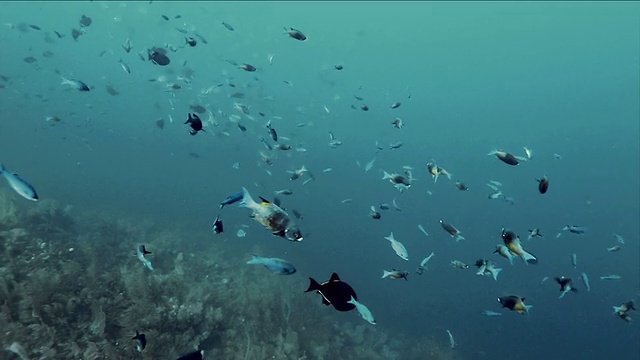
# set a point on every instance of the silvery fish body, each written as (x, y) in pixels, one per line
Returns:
(20, 185)
(275, 265)
(397, 246)
(363, 311)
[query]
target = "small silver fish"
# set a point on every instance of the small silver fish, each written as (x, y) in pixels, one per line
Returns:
(585, 280)
(19, 185)
(611, 277)
(140, 253)
(397, 246)
(75, 84)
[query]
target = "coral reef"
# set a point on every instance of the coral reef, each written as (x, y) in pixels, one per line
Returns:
(71, 287)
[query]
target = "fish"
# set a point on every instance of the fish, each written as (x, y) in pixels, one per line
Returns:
(421, 228)
(196, 355)
(512, 241)
(338, 67)
(334, 292)
(618, 238)
(534, 233)
(364, 311)
(141, 251)
(227, 26)
(127, 45)
(275, 265)
(495, 195)
(611, 277)
(399, 182)
(195, 123)
(374, 214)
(452, 343)
(395, 105)
(461, 186)
(623, 310)
(333, 142)
(296, 34)
(397, 246)
(141, 341)
(395, 205)
(266, 144)
(396, 145)
(241, 233)
(487, 267)
(514, 303)
(283, 192)
(282, 147)
(125, 67)
(504, 251)
(423, 264)
(436, 170)
(510, 200)
(217, 226)
(566, 285)
(491, 313)
(574, 260)
(231, 199)
(575, 229)
(247, 67)
(369, 165)
(614, 248)
(75, 84)
(557, 156)
(459, 264)
(397, 123)
(455, 233)
(528, 152)
(30, 59)
(85, 21)
(271, 217)
(395, 274)
(585, 281)
(295, 174)
(158, 56)
(21, 186)
(272, 132)
(364, 107)
(543, 184)
(505, 157)
(297, 214)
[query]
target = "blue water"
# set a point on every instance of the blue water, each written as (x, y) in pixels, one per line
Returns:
(472, 77)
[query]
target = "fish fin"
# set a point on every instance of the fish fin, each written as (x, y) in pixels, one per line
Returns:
(254, 259)
(334, 277)
(529, 258)
(313, 285)
(264, 201)
(280, 233)
(145, 252)
(325, 301)
(247, 200)
(385, 273)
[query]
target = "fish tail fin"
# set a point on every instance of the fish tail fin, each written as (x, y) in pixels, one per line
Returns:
(254, 260)
(247, 201)
(352, 300)
(527, 308)
(617, 309)
(65, 81)
(459, 237)
(313, 285)
(386, 175)
(492, 152)
(529, 258)
(495, 273)
(385, 274)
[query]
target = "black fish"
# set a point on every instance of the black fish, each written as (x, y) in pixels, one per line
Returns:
(60, 36)
(158, 56)
(141, 341)
(195, 123)
(364, 108)
(461, 186)
(513, 302)
(196, 355)
(507, 158)
(247, 67)
(296, 34)
(85, 21)
(338, 67)
(242, 127)
(543, 185)
(75, 34)
(564, 282)
(191, 41)
(165, 17)
(35, 27)
(160, 123)
(217, 225)
(395, 105)
(334, 292)
(272, 132)
(229, 27)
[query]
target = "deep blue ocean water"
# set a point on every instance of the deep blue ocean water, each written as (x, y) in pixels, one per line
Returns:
(559, 78)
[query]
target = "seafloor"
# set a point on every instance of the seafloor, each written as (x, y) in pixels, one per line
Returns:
(71, 287)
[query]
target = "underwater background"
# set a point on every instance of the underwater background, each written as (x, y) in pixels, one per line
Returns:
(558, 78)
